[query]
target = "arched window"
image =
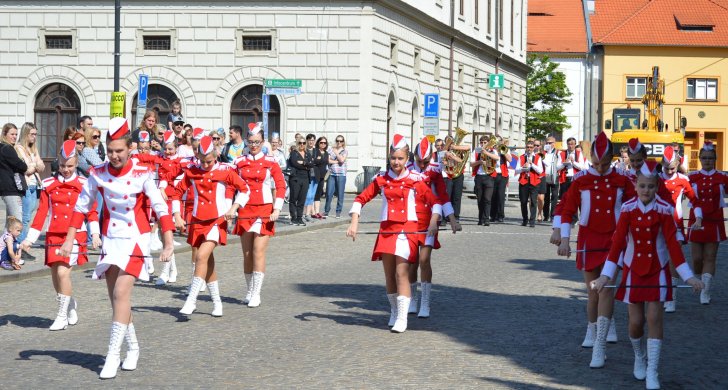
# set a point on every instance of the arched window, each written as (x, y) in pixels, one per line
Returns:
(159, 99)
(414, 131)
(56, 107)
(391, 109)
(247, 107)
(460, 122)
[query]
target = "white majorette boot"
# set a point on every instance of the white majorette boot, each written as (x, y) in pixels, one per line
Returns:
(653, 361)
(149, 263)
(61, 321)
(591, 334)
(132, 349)
(392, 309)
(249, 283)
(191, 302)
(413, 301)
(425, 300)
(172, 270)
(705, 293)
(204, 286)
(113, 357)
(640, 359)
(257, 286)
(164, 275)
(400, 325)
(599, 351)
(155, 243)
(214, 288)
(670, 306)
(612, 333)
(72, 312)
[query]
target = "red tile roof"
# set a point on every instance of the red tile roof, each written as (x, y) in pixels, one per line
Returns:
(556, 26)
(701, 23)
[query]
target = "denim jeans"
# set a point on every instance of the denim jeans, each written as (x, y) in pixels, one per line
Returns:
(30, 204)
(335, 184)
(13, 206)
(312, 185)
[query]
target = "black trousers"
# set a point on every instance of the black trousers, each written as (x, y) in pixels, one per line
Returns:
(528, 193)
(552, 197)
(484, 193)
(299, 188)
(563, 187)
(454, 189)
(498, 201)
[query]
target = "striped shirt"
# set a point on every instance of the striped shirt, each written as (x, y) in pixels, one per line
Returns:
(338, 169)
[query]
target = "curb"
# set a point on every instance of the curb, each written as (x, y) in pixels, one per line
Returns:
(18, 276)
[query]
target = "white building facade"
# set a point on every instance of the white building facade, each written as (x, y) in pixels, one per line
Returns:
(364, 66)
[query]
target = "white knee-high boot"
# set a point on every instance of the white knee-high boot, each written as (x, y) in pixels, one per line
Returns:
(599, 353)
(204, 286)
(257, 286)
(72, 311)
(113, 356)
(132, 349)
(400, 325)
(612, 333)
(61, 321)
(413, 301)
(425, 300)
(149, 263)
(392, 309)
(249, 284)
(591, 334)
(214, 288)
(640, 358)
(172, 270)
(670, 306)
(191, 302)
(653, 361)
(705, 293)
(164, 275)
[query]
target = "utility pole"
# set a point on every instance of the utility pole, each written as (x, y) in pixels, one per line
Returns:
(452, 63)
(117, 44)
(497, 63)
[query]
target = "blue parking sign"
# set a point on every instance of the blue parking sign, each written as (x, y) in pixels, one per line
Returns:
(432, 105)
(143, 87)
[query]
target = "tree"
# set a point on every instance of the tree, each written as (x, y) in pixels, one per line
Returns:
(546, 94)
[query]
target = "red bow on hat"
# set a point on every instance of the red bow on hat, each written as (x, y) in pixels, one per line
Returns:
(601, 146)
(668, 156)
(206, 145)
(424, 149)
(254, 127)
(197, 133)
(634, 146)
(708, 145)
(649, 168)
(144, 136)
(68, 149)
(398, 142)
(118, 128)
(169, 137)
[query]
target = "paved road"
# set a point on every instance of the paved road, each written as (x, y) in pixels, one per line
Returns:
(506, 314)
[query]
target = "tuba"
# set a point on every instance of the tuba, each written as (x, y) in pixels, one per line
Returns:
(488, 163)
(455, 169)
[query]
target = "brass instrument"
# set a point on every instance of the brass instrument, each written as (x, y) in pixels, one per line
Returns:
(453, 168)
(503, 147)
(488, 163)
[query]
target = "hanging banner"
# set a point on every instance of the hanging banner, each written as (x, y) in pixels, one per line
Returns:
(118, 104)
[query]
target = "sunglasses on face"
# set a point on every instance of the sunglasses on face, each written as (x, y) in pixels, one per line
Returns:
(80, 143)
(302, 143)
(323, 143)
(162, 133)
(339, 140)
(215, 138)
(95, 136)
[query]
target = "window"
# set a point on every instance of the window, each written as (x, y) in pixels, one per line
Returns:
(393, 49)
(418, 61)
(247, 107)
(461, 75)
(703, 89)
(56, 107)
(490, 17)
(500, 19)
(57, 42)
(476, 74)
(156, 42)
(256, 42)
(462, 7)
(437, 72)
(513, 19)
(636, 87)
(476, 12)
(159, 99)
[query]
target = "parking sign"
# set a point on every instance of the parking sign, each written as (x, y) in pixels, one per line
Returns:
(143, 87)
(432, 105)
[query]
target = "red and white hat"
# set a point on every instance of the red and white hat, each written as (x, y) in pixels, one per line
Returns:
(669, 155)
(254, 128)
(602, 146)
(169, 137)
(118, 128)
(634, 146)
(708, 145)
(649, 168)
(206, 145)
(144, 136)
(198, 133)
(398, 142)
(423, 150)
(68, 149)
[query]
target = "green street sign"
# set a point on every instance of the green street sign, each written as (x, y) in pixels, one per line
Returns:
(496, 81)
(283, 83)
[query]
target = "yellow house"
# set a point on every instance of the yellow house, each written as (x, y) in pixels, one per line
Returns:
(689, 43)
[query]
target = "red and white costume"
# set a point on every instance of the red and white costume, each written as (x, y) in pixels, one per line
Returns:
(710, 189)
(210, 190)
(598, 199)
(399, 211)
(432, 175)
(262, 173)
(57, 201)
(125, 227)
(673, 188)
(645, 240)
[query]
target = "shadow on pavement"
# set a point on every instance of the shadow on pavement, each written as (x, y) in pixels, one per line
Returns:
(88, 361)
(25, 321)
(171, 310)
(563, 269)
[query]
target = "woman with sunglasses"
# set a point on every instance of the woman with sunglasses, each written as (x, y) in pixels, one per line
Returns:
(336, 184)
(321, 165)
(83, 166)
(89, 156)
(709, 184)
(299, 162)
(256, 221)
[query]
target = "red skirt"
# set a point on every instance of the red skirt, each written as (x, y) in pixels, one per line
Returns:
(597, 243)
(247, 223)
(713, 228)
(637, 294)
(54, 241)
(401, 245)
(200, 232)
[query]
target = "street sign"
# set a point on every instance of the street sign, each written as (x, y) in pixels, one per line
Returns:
(282, 91)
(266, 103)
(283, 83)
(432, 105)
(431, 126)
(143, 87)
(265, 125)
(496, 81)
(118, 104)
